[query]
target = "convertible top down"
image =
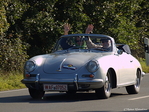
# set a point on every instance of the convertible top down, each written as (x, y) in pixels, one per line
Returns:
(83, 62)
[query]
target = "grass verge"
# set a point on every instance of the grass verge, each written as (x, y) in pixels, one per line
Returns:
(144, 66)
(10, 80)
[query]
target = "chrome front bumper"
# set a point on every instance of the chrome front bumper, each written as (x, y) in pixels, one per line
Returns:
(73, 84)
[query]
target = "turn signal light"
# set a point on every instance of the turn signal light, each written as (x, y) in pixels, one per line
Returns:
(27, 75)
(91, 76)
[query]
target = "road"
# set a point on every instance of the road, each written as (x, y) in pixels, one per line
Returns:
(20, 101)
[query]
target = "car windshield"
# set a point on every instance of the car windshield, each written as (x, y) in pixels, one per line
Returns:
(98, 44)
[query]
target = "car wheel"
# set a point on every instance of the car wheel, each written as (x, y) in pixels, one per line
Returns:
(134, 89)
(36, 94)
(105, 91)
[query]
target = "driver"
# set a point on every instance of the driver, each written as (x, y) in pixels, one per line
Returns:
(77, 41)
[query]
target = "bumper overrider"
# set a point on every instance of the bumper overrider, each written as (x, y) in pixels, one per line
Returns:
(72, 84)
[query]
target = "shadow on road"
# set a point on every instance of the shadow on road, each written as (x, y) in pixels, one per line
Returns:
(56, 98)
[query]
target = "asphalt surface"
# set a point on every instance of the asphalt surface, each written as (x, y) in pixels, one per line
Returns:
(120, 100)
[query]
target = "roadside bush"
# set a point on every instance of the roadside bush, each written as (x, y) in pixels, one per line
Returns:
(12, 54)
(12, 48)
(40, 23)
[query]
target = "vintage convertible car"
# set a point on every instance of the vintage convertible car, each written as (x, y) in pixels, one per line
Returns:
(83, 62)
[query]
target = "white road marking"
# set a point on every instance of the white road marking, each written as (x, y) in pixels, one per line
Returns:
(13, 90)
(139, 98)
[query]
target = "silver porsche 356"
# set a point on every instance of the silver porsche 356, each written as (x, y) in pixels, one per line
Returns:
(83, 62)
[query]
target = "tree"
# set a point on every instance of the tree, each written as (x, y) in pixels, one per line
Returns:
(116, 18)
(35, 25)
(12, 49)
(40, 29)
(4, 25)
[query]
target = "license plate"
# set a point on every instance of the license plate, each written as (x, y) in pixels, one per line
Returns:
(55, 87)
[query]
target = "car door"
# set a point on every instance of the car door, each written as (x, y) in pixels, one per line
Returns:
(127, 71)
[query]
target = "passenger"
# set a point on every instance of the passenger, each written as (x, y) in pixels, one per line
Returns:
(106, 43)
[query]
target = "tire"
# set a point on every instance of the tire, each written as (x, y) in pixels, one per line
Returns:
(36, 94)
(134, 89)
(105, 91)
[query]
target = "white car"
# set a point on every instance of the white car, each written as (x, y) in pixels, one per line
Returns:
(79, 62)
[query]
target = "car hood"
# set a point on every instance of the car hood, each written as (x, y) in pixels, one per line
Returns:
(67, 63)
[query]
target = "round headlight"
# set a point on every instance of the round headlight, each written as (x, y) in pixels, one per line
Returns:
(29, 66)
(92, 66)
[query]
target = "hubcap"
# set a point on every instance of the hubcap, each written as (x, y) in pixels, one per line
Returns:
(137, 82)
(107, 85)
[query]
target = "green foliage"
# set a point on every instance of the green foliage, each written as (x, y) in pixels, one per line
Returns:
(35, 25)
(12, 54)
(72, 11)
(121, 19)
(12, 49)
(144, 66)
(40, 29)
(4, 25)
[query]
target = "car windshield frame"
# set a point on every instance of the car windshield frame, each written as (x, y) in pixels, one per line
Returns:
(70, 41)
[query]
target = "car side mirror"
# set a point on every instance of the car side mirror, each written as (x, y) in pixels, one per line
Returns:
(120, 51)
